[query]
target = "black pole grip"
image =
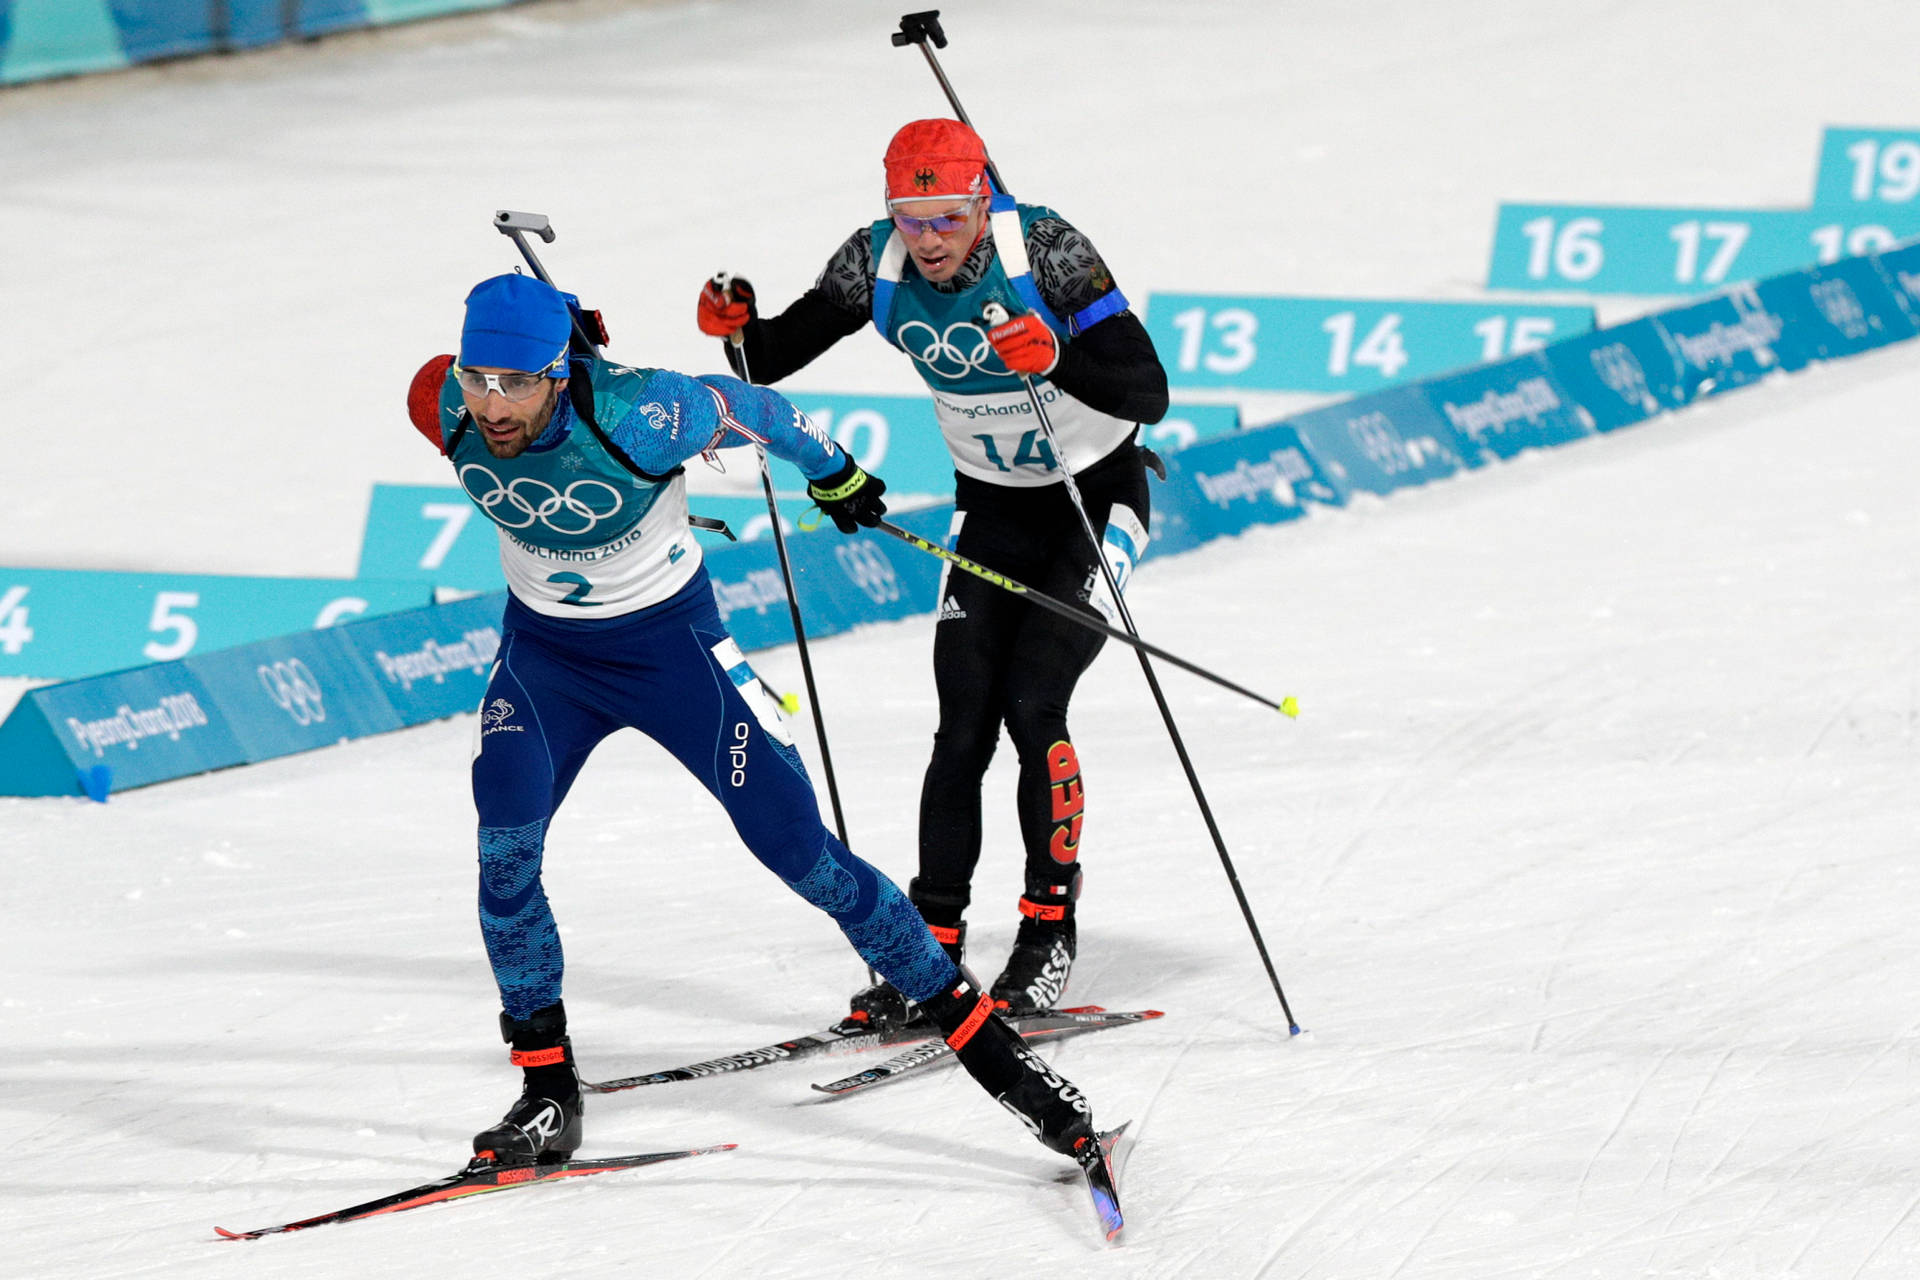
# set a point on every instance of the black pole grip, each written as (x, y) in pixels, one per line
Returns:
(918, 28)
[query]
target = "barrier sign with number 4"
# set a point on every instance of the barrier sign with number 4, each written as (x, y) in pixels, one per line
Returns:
(58, 624)
(1341, 344)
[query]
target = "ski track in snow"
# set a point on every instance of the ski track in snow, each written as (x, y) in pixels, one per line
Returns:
(1588, 867)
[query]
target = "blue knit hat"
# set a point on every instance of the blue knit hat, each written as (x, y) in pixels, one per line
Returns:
(516, 322)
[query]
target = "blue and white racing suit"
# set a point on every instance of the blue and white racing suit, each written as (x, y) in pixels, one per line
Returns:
(611, 624)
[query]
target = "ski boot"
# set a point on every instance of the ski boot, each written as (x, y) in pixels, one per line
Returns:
(1036, 974)
(881, 1007)
(1047, 1103)
(544, 1125)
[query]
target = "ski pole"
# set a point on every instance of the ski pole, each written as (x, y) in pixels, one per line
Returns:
(723, 281)
(517, 227)
(1287, 706)
(923, 29)
(995, 314)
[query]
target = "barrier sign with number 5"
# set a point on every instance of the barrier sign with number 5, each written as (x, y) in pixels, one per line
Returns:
(60, 624)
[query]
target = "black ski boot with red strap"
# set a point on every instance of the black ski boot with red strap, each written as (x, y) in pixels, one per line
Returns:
(1047, 1103)
(1043, 950)
(544, 1125)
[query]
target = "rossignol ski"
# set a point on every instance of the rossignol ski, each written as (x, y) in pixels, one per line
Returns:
(843, 1037)
(1052, 1025)
(480, 1177)
(835, 1039)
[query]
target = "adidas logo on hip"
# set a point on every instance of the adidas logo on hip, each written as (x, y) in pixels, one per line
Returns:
(950, 611)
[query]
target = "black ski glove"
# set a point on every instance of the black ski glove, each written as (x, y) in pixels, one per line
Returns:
(850, 497)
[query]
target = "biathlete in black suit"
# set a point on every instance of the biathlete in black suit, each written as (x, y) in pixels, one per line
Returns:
(922, 277)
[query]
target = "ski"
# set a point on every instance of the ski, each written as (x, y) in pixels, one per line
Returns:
(478, 1178)
(835, 1039)
(1053, 1024)
(1101, 1174)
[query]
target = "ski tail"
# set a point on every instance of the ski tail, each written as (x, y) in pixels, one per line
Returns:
(478, 1178)
(1100, 1171)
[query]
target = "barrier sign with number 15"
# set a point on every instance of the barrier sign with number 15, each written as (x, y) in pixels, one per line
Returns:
(1341, 344)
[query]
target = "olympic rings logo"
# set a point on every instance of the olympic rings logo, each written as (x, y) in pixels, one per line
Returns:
(1841, 306)
(869, 571)
(961, 350)
(1621, 371)
(293, 688)
(526, 500)
(1378, 440)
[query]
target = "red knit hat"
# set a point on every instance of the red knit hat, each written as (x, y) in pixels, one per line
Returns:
(933, 159)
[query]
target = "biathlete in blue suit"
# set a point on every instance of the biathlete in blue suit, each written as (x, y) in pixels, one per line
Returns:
(610, 623)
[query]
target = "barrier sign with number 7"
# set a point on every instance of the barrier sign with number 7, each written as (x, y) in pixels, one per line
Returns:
(1341, 344)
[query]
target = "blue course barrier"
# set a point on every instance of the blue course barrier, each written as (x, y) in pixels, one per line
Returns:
(289, 694)
(1620, 375)
(41, 38)
(249, 703)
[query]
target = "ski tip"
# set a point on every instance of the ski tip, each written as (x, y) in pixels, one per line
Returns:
(1290, 708)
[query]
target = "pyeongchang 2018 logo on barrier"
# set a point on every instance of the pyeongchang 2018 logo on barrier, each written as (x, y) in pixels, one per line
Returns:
(294, 690)
(172, 716)
(962, 348)
(525, 502)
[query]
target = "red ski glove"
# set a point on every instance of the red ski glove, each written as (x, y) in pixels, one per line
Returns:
(722, 314)
(1025, 345)
(423, 399)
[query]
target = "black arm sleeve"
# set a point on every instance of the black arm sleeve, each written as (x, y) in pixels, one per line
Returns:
(1110, 366)
(1113, 367)
(836, 307)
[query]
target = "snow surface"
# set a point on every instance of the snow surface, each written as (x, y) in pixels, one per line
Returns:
(1590, 865)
